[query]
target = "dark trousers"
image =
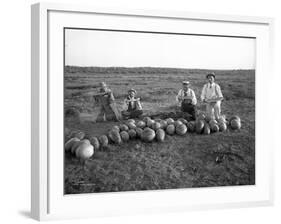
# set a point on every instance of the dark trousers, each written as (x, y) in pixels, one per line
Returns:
(132, 114)
(188, 108)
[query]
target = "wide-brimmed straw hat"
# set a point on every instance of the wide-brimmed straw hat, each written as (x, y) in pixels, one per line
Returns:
(211, 74)
(132, 90)
(185, 82)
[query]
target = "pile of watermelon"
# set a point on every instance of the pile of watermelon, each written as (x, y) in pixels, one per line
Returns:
(147, 130)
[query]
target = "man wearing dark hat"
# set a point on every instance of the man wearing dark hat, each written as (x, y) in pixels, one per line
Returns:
(212, 96)
(132, 106)
(187, 99)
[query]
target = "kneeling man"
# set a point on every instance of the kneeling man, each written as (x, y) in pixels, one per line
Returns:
(132, 106)
(187, 99)
(212, 96)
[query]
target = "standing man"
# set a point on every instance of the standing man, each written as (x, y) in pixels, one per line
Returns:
(187, 99)
(132, 105)
(108, 109)
(212, 96)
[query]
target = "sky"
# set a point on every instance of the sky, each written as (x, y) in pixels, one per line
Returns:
(130, 49)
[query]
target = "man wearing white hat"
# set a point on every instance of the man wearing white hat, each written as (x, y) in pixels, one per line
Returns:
(132, 105)
(187, 99)
(212, 96)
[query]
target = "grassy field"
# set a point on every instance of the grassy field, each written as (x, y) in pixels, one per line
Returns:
(219, 159)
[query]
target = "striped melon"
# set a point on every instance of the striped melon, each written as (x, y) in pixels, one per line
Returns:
(141, 124)
(222, 126)
(160, 135)
(214, 127)
(131, 120)
(150, 123)
(148, 135)
(131, 125)
(68, 145)
(79, 134)
(115, 137)
(132, 133)
(170, 129)
(170, 121)
(115, 128)
(184, 121)
(181, 129)
(177, 122)
(191, 126)
(139, 132)
(199, 126)
(145, 119)
(163, 124)
(123, 127)
(156, 126)
(235, 124)
(124, 136)
(207, 129)
(75, 146)
(103, 141)
(95, 142)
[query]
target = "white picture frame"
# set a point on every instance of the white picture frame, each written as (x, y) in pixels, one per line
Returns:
(47, 198)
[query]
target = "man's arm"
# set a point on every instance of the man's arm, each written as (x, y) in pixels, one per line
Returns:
(179, 97)
(193, 100)
(203, 94)
(219, 93)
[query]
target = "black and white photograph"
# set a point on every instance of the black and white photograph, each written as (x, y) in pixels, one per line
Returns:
(157, 111)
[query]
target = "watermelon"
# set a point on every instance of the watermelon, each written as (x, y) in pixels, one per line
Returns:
(132, 133)
(85, 151)
(141, 124)
(131, 125)
(156, 126)
(207, 129)
(95, 142)
(75, 146)
(103, 141)
(214, 127)
(124, 136)
(170, 129)
(163, 124)
(150, 123)
(222, 126)
(148, 135)
(123, 127)
(235, 124)
(115, 137)
(201, 116)
(139, 132)
(191, 126)
(183, 121)
(79, 134)
(145, 119)
(160, 135)
(115, 128)
(68, 145)
(181, 129)
(170, 121)
(199, 126)
(178, 122)
(131, 120)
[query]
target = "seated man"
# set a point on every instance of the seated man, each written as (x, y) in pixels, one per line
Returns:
(132, 106)
(187, 99)
(212, 96)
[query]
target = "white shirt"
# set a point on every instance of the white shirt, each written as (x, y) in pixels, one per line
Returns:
(211, 91)
(189, 94)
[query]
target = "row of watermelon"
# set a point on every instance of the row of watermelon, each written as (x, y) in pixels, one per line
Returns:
(147, 130)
